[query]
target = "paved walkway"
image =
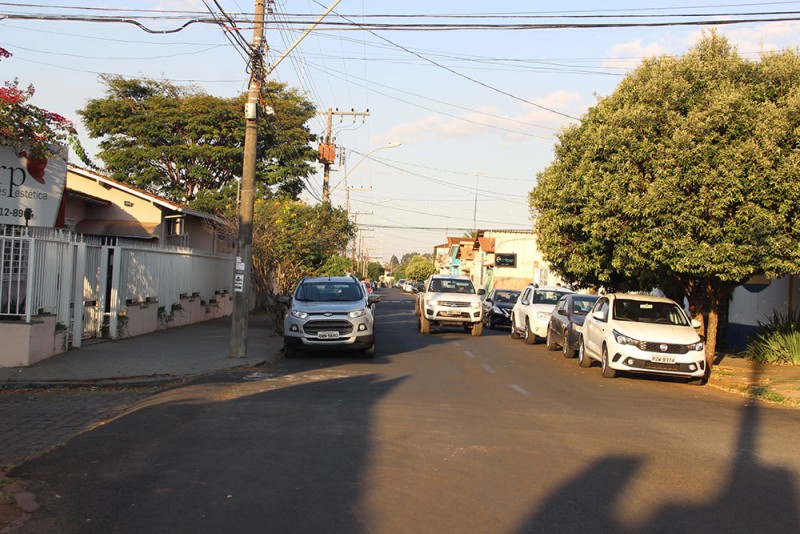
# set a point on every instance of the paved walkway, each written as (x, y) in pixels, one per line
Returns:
(151, 358)
(44, 405)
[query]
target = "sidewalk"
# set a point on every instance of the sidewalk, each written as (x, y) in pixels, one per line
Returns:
(151, 358)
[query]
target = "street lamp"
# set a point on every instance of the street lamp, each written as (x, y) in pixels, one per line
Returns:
(326, 195)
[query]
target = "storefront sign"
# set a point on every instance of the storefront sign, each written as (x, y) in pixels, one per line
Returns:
(30, 189)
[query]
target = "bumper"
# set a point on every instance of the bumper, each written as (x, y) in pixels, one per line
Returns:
(500, 319)
(631, 359)
(539, 327)
(453, 316)
(307, 343)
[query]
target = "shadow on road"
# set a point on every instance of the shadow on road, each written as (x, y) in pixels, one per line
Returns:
(756, 498)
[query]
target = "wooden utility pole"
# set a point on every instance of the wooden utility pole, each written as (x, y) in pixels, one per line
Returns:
(244, 243)
(327, 153)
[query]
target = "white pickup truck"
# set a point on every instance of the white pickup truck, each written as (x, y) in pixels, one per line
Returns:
(450, 300)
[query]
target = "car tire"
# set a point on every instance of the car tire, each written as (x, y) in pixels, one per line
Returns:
(289, 352)
(424, 325)
(490, 322)
(606, 369)
(369, 353)
(583, 359)
(701, 381)
(477, 329)
(514, 333)
(529, 336)
(551, 345)
(565, 350)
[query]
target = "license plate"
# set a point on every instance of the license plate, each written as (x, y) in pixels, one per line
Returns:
(328, 335)
(450, 313)
(658, 358)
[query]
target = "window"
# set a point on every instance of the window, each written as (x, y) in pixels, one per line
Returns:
(175, 226)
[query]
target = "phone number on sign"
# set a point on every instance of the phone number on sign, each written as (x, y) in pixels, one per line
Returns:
(9, 212)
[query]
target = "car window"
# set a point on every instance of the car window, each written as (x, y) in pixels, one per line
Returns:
(562, 304)
(328, 291)
(582, 305)
(640, 311)
(452, 286)
(526, 297)
(546, 297)
(506, 296)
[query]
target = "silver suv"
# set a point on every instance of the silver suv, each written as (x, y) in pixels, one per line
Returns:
(450, 300)
(329, 312)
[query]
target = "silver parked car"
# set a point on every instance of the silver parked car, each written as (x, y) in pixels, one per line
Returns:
(329, 312)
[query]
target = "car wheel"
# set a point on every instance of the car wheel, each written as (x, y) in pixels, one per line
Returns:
(606, 369)
(289, 352)
(701, 381)
(583, 359)
(477, 329)
(551, 344)
(514, 333)
(369, 353)
(529, 336)
(490, 322)
(424, 325)
(565, 350)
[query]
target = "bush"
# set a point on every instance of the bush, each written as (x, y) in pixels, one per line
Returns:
(779, 341)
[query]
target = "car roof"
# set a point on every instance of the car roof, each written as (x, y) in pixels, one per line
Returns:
(347, 279)
(552, 288)
(639, 296)
(450, 276)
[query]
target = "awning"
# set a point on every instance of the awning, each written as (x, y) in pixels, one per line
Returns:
(132, 229)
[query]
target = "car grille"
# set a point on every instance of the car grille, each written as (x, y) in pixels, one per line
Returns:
(663, 366)
(314, 327)
(453, 304)
(654, 346)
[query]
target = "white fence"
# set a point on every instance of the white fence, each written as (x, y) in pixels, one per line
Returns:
(57, 272)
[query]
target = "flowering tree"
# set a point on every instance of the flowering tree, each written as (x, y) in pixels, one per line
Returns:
(31, 131)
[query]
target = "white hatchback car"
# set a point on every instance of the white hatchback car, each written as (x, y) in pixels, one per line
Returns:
(531, 313)
(642, 334)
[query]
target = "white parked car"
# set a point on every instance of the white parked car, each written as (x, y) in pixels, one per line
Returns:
(642, 334)
(531, 313)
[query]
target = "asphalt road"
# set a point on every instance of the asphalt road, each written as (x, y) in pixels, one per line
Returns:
(440, 433)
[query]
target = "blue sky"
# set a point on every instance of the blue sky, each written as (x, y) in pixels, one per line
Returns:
(475, 111)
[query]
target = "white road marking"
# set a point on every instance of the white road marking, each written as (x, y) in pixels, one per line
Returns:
(488, 368)
(520, 390)
(456, 343)
(468, 353)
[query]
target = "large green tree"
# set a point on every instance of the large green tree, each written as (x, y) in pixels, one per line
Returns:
(685, 178)
(420, 268)
(185, 145)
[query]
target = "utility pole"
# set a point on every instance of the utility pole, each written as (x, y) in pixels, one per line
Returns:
(244, 242)
(327, 154)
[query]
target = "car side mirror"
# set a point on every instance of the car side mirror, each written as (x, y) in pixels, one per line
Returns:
(600, 316)
(373, 299)
(562, 312)
(285, 299)
(696, 324)
(481, 291)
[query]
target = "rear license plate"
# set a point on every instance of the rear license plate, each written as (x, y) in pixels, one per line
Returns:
(328, 335)
(658, 358)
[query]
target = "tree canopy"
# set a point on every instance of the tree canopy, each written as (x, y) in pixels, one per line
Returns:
(187, 146)
(420, 268)
(685, 179)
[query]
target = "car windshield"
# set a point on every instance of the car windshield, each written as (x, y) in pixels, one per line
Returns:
(640, 311)
(506, 296)
(547, 297)
(452, 286)
(328, 291)
(582, 305)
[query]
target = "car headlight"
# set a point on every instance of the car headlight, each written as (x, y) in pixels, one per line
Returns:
(622, 339)
(497, 309)
(355, 314)
(696, 346)
(299, 314)
(542, 316)
(431, 302)
(475, 304)
(577, 327)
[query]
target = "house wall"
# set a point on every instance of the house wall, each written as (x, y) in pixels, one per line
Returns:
(531, 266)
(139, 210)
(754, 303)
